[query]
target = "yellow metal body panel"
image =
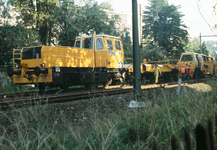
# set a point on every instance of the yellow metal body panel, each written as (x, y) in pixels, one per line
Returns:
(47, 56)
(68, 57)
(42, 78)
(149, 68)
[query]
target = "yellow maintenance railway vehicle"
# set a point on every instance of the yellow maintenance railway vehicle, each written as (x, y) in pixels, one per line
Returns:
(172, 68)
(206, 63)
(93, 59)
(167, 67)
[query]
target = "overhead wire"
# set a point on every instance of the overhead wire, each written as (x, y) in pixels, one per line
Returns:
(198, 26)
(210, 18)
(203, 16)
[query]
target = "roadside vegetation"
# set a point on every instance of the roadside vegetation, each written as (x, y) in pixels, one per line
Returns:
(50, 127)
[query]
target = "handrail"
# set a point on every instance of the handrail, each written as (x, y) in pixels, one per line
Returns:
(16, 58)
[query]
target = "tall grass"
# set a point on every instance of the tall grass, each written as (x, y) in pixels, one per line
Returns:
(7, 85)
(53, 127)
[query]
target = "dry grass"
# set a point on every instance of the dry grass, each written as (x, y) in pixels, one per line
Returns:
(43, 127)
(3, 80)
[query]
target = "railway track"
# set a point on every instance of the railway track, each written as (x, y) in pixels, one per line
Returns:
(62, 98)
(36, 93)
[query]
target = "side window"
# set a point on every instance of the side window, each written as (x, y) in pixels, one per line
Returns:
(117, 45)
(200, 59)
(78, 43)
(188, 58)
(197, 58)
(87, 43)
(109, 45)
(99, 44)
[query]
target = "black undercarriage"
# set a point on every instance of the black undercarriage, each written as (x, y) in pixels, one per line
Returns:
(67, 77)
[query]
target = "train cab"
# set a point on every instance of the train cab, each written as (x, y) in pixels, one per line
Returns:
(207, 63)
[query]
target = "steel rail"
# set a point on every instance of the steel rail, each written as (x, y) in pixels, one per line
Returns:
(85, 95)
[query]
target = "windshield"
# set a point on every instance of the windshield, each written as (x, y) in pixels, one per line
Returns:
(188, 58)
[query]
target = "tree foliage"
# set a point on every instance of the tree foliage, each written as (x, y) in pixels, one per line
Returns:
(127, 46)
(152, 51)
(13, 36)
(164, 26)
(71, 20)
(204, 49)
(50, 22)
(37, 15)
(194, 46)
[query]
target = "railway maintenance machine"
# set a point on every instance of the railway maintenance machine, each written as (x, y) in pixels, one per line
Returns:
(94, 59)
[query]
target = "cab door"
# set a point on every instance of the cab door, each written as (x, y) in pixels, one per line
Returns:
(100, 53)
(115, 53)
(210, 65)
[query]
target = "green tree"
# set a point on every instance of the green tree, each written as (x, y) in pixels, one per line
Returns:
(71, 20)
(37, 15)
(211, 45)
(152, 51)
(164, 26)
(204, 49)
(15, 37)
(193, 45)
(127, 45)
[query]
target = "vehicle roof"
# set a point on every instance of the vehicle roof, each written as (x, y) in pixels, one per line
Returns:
(99, 35)
(195, 53)
(189, 53)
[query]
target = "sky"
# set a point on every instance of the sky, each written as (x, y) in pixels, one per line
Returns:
(193, 20)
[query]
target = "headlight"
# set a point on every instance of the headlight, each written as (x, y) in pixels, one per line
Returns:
(57, 68)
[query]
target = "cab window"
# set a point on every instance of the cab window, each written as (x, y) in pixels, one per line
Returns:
(109, 45)
(188, 58)
(211, 59)
(99, 44)
(199, 58)
(117, 45)
(77, 44)
(87, 43)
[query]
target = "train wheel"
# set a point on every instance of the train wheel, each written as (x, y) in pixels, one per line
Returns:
(86, 86)
(64, 87)
(109, 82)
(175, 77)
(213, 73)
(41, 87)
